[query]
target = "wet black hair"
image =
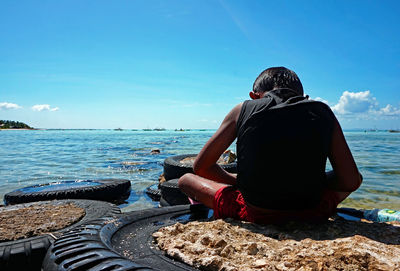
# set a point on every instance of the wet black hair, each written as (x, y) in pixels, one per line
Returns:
(277, 77)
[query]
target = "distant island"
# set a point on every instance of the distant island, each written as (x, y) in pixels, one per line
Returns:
(9, 124)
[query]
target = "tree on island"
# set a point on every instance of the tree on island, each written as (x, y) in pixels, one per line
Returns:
(9, 124)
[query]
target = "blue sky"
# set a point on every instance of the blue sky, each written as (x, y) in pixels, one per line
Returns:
(173, 64)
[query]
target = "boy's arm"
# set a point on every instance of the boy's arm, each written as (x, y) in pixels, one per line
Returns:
(346, 177)
(205, 164)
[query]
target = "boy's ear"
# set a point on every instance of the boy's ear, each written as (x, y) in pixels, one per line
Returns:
(254, 95)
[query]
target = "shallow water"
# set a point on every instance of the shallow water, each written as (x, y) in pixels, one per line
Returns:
(41, 156)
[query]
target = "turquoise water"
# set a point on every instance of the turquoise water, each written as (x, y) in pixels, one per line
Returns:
(41, 156)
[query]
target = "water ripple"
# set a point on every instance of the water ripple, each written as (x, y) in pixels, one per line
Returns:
(37, 157)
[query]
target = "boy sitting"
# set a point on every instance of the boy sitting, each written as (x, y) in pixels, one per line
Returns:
(283, 142)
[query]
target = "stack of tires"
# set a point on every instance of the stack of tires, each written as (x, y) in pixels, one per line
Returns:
(174, 168)
(27, 251)
(124, 243)
(87, 243)
(101, 239)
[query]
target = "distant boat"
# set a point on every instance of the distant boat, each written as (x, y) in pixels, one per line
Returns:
(159, 129)
(371, 130)
(180, 130)
(394, 131)
(118, 129)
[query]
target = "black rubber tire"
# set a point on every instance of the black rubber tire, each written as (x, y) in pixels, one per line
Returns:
(153, 192)
(102, 246)
(109, 190)
(174, 169)
(163, 203)
(171, 193)
(28, 253)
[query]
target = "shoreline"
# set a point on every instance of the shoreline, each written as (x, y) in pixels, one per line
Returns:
(173, 130)
(17, 129)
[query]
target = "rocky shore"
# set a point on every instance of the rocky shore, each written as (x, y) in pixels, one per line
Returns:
(232, 245)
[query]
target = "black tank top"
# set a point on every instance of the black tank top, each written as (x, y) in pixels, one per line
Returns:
(282, 147)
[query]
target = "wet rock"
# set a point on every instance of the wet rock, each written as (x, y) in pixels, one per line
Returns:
(161, 179)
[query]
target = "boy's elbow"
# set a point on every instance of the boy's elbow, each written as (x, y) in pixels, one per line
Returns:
(197, 169)
(356, 184)
(360, 180)
(343, 184)
(200, 169)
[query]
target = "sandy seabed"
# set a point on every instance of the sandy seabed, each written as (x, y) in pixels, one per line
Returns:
(231, 245)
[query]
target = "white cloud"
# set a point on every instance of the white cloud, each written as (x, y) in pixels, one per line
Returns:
(355, 102)
(388, 110)
(7, 106)
(362, 105)
(44, 107)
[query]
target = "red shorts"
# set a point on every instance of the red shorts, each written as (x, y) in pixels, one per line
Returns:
(229, 202)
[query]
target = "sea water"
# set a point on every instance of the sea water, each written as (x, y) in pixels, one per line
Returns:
(33, 157)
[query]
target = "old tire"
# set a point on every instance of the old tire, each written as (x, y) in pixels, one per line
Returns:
(28, 253)
(171, 193)
(173, 168)
(163, 203)
(100, 245)
(153, 192)
(105, 190)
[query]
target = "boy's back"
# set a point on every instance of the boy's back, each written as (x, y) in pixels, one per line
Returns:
(282, 147)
